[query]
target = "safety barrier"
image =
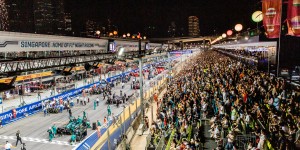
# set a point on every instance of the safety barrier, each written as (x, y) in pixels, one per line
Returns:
(242, 141)
(171, 139)
(161, 144)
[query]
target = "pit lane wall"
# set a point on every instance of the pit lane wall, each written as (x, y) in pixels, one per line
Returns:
(33, 108)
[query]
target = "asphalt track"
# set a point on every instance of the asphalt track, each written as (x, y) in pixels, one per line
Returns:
(34, 128)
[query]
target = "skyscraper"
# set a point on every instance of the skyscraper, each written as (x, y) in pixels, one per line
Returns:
(49, 16)
(20, 15)
(193, 23)
(91, 27)
(43, 16)
(172, 29)
(59, 23)
(3, 16)
(68, 21)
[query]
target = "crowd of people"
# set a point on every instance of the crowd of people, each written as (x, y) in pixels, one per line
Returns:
(239, 101)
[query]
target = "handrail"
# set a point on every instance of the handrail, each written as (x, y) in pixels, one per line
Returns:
(171, 139)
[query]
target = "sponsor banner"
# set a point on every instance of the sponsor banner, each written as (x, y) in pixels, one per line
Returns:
(15, 42)
(272, 16)
(293, 17)
(182, 52)
(272, 55)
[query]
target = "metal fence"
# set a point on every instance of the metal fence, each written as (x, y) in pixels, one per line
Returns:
(242, 141)
(161, 144)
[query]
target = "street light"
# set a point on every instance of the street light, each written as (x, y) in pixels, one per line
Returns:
(98, 32)
(229, 32)
(238, 27)
(128, 34)
(257, 16)
(145, 37)
(224, 35)
(124, 35)
(115, 33)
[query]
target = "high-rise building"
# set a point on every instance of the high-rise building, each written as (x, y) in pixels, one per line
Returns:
(20, 15)
(193, 23)
(3, 16)
(59, 23)
(68, 21)
(43, 16)
(172, 29)
(38, 16)
(49, 16)
(91, 27)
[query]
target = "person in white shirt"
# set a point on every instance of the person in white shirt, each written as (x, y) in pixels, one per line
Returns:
(123, 84)
(7, 146)
(262, 139)
(97, 100)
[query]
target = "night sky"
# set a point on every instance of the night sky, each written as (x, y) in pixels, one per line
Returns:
(135, 15)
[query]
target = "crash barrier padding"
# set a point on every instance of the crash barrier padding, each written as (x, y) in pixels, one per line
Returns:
(22, 112)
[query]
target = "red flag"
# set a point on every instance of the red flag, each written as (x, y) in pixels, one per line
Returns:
(293, 17)
(272, 16)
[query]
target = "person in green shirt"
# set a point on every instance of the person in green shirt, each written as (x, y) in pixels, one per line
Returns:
(234, 114)
(79, 120)
(51, 135)
(98, 123)
(73, 138)
(95, 105)
(54, 129)
(108, 110)
(84, 115)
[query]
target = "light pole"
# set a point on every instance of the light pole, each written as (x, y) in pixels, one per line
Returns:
(238, 28)
(169, 67)
(141, 80)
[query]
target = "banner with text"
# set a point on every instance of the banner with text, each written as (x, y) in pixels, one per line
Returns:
(272, 16)
(293, 17)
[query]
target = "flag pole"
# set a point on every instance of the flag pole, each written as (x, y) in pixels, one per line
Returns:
(279, 42)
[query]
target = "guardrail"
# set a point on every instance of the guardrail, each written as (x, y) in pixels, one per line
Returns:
(171, 139)
(161, 144)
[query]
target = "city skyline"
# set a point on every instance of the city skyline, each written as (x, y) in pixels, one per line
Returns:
(152, 18)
